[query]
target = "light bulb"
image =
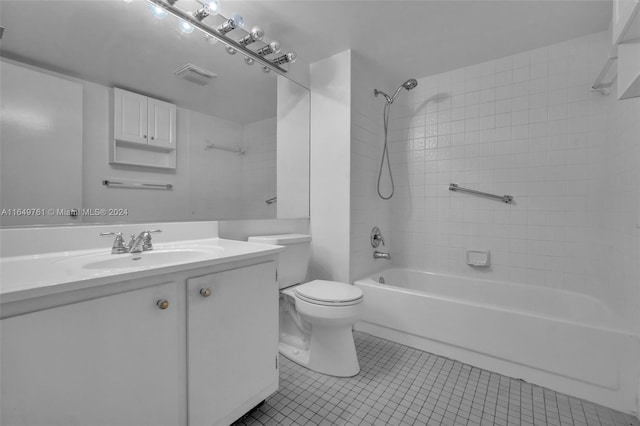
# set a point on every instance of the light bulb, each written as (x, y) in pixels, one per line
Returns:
(185, 27)
(128, 1)
(158, 12)
(238, 20)
(266, 69)
(230, 50)
(257, 33)
(248, 60)
(214, 7)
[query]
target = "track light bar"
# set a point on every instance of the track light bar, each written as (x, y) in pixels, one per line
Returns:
(169, 7)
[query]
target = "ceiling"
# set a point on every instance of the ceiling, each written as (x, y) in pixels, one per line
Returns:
(121, 44)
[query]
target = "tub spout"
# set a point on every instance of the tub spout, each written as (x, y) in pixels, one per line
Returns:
(380, 255)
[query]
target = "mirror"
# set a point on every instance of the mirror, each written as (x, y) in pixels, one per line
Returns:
(241, 147)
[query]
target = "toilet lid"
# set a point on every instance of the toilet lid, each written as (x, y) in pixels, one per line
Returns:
(322, 292)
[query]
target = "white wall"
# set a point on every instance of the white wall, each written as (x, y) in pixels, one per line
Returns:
(367, 209)
(525, 125)
(259, 168)
(41, 132)
(293, 149)
(330, 167)
(215, 176)
(206, 182)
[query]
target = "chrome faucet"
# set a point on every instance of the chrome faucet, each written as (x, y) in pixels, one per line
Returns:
(136, 245)
(380, 255)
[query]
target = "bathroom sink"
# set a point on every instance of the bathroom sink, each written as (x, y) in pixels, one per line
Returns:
(145, 259)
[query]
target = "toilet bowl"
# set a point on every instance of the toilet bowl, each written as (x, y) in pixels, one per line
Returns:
(322, 338)
(316, 318)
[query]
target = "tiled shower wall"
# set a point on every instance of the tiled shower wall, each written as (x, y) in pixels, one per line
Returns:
(526, 125)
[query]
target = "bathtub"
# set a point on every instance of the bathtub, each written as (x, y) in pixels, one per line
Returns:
(562, 340)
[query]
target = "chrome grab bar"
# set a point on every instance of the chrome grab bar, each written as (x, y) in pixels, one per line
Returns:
(504, 198)
(224, 148)
(142, 185)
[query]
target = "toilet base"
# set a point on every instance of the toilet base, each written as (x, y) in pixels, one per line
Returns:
(332, 351)
(296, 355)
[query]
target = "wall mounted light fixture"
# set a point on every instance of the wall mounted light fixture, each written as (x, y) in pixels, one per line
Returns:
(188, 21)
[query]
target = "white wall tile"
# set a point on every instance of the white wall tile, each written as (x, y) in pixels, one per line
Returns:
(527, 125)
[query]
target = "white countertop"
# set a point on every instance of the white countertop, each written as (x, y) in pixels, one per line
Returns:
(30, 276)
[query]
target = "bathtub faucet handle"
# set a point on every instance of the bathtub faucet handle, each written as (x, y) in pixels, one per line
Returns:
(376, 237)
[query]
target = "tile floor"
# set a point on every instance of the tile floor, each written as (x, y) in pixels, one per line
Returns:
(398, 385)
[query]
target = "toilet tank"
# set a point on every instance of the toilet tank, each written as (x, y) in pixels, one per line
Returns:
(293, 260)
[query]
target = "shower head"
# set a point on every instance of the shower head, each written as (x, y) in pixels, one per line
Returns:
(407, 85)
(410, 84)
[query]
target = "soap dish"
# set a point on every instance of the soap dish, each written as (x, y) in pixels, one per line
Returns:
(478, 257)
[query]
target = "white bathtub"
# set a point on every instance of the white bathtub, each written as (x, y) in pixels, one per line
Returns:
(566, 341)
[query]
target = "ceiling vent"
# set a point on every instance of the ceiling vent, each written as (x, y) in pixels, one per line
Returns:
(195, 74)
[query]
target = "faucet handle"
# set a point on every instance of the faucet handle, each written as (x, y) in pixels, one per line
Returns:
(146, 239)
(118, 243)
(376, 237)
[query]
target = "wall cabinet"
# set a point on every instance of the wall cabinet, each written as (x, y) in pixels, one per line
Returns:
(107, 361)
(144, 130)
(143, 120)
(205, 358)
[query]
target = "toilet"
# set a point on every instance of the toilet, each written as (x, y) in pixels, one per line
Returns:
(316, 318)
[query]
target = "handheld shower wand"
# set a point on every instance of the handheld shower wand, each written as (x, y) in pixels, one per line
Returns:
(407, 85)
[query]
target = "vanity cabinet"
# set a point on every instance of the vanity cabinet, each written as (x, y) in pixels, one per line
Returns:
(108, 361)
(232, 342)
(194, 347)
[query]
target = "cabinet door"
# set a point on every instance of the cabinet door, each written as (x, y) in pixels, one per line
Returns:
(232, 338)
(109, 361)
(130, 117)
(162, 123)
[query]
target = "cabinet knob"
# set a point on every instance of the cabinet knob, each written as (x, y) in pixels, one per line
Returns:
(205, 292)
(144, 136)
(162, 304)
(153, 137)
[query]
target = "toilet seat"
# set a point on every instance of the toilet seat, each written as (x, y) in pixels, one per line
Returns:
(329, 293)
